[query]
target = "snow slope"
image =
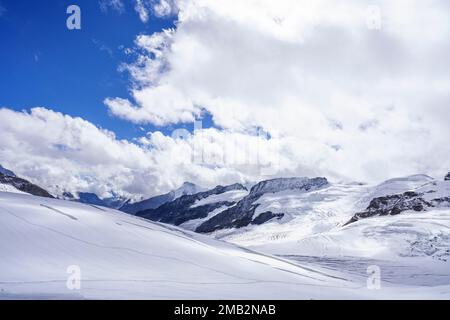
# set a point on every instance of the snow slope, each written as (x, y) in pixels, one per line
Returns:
(9, 188)
(121, 256)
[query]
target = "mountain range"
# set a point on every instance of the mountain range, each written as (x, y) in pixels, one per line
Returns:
(234, 207)
(289, 236)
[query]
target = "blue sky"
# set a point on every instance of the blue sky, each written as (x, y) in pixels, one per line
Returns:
(42, 63)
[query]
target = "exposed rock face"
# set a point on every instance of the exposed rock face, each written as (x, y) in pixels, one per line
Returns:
(24, 186)
(395, 204)
(242, 214)
(181, 209)
(266, 216)
(447, 177)
(284, 184)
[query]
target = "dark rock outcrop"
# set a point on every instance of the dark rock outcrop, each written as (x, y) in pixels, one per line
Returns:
(181, 209)
(447, 177)
(266, 216)
(393, 205)
(242, 213)
(24, 186)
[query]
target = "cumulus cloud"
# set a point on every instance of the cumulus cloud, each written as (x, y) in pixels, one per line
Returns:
(349, 91)
(63, 153)
(342, 90)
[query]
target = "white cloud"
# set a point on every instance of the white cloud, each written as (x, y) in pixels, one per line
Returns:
(142, 11)
(163, 8)
(160, 8)
(115, 5)
(60, 152)
(338, 99)
(345, 99)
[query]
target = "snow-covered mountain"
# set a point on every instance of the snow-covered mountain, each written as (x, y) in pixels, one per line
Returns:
(431, 195)
(6, 172)
(187, 188)
(9, 182)
(400, 223)
(195, 207)
(278, 211)
(244, 212)
(228, 207)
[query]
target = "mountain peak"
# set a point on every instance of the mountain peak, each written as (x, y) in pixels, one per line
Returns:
(283, 184)
(7, 172)
(187, 188)
(23, 185)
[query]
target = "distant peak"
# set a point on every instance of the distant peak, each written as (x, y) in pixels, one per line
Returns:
(283, 184)
(7, 172)
(187, 188)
